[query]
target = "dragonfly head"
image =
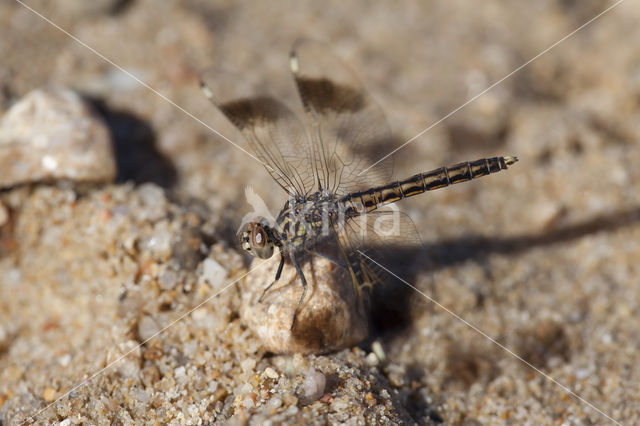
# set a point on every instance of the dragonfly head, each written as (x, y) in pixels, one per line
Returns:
(256, 239)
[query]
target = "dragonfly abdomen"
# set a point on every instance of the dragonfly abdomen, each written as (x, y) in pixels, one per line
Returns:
(366, 201)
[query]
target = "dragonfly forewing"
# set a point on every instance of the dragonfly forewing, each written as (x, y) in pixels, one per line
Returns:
(348, 129)
(273, 131)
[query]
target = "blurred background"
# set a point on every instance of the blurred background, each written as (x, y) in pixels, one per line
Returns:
(542, 257)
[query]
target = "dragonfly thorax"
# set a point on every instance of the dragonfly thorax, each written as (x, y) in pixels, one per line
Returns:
(304, 220)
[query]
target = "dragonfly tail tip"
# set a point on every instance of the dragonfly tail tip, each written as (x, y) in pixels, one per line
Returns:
(510, 160)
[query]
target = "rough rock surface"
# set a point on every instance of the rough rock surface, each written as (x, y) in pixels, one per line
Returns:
(331, 316)
(53, 134)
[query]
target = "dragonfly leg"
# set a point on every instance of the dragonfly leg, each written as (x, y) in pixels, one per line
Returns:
(278, 273)
(329, 258)
(304, 290)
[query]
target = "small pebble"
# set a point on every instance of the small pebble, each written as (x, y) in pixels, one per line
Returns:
(244, 388)
(378, 350)
(154, 200)
(372, 360)
(248, 364)
(271, 373)
(313, 385)
(200, 314)
(250, 400)
(159, 243)
(49, 394)
(340, 404)
(53, 134)
(180, 373)
(291, 410)
(147, 328)
(213, 273)
(167, 279)
(370, 399)
(274, 403)
(219, 394)
(64, 360)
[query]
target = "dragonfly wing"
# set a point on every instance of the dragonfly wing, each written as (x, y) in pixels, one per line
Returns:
(348, 129)
(274, 132)
(370, 241)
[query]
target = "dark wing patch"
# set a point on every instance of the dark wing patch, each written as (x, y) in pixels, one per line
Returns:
(251, 112)
(274, 132)
(348, 130)
(323, 95)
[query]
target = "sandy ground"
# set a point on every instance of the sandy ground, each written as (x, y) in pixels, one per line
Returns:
(542, 258)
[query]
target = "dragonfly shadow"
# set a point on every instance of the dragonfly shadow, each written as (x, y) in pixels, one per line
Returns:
(391, 302)
(134, 143)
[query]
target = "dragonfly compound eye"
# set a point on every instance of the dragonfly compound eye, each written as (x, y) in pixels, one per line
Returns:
(259, 242)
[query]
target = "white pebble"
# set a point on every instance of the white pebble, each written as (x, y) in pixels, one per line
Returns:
(154, 201)
(64, 360)
(248, 364)
(372, 360)
(168, 279)
(53, 134)
(274, 403)
(377, 349)
(291, 410)
(179, 372)
(271, 373)
(213, 273)
(248, 402)
(147, 328)
(314, 384)
(160, 242)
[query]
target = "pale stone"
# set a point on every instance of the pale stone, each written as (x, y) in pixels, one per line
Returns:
(331, 317)
(53, 134)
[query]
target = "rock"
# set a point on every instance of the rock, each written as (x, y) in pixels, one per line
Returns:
(52, 134)
(49, 394)
(213, 273)
(271, 373)
(147, 328)
(313, 386)
(154, 202)
(330, 318)
(167, 280)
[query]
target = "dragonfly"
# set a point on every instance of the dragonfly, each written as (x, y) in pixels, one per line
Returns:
(323, 161)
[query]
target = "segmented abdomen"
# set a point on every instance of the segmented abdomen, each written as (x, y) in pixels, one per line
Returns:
(366, 201)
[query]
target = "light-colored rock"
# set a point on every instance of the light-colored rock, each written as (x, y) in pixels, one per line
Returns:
(271, 373)
(147, 328)
(331, 317)
(213, 273)
(53, 134)
(313, 385)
